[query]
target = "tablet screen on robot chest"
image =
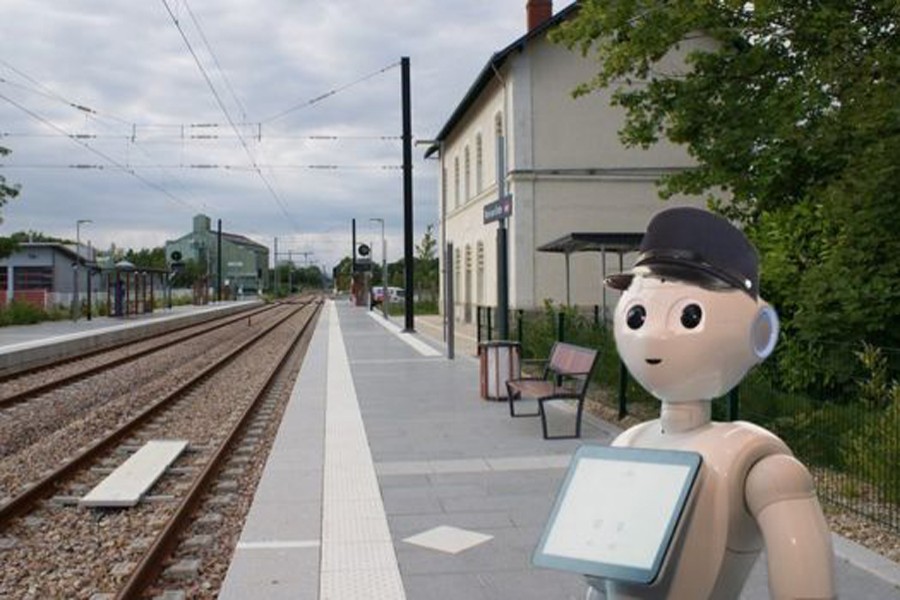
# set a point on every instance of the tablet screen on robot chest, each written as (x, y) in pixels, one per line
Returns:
(617, 512)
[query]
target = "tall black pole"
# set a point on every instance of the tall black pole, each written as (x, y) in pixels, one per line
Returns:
(407, 193)
(219, 262)
(353, 260)
(502, 248)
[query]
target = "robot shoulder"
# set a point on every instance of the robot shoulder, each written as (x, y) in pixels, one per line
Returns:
(777, 478)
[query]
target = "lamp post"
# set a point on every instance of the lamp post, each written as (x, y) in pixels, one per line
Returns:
(384, 292)
(76, 306)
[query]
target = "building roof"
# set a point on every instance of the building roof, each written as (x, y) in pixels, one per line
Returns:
(493, 65)
(594, 242)
(235, 238)
(58, 246)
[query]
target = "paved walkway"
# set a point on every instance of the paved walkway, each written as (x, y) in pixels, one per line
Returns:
(391, 479)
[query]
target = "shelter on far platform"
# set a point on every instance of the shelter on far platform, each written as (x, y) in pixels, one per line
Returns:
(572, 243)
(132, 290)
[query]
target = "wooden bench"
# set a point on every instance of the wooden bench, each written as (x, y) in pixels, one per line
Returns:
(567, 374)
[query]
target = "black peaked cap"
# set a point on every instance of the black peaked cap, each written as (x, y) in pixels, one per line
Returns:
(696, 246)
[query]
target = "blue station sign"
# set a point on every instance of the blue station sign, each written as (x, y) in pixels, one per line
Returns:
(498, 209)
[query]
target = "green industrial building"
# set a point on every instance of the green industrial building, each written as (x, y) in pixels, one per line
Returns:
(245, 263)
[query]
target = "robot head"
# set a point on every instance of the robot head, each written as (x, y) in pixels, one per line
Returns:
(690, 323)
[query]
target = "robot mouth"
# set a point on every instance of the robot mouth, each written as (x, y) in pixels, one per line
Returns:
(653, 361)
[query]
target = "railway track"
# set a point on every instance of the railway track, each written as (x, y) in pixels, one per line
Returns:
(26, 384)
(122, 382)
(121, 552)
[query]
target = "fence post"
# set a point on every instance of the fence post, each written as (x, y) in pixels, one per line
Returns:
(734, 404)
(623, 389)
(560, 326)
(520, 316)
(597, 316)
(490, 327)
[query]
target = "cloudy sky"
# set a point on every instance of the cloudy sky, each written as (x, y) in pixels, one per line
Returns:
(290, 129)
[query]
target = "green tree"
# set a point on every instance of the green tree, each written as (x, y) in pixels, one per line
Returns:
(191, 272)
(151, 258)
(792, 113)
(427, 266)
(7, 193)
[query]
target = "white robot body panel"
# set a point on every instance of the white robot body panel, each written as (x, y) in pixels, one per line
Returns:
(719, 539)
(689, 325)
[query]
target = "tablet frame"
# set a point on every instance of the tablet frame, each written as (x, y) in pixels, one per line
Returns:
(623, 572)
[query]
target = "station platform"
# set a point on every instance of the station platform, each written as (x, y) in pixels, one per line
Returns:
(391, 478)
(25, 346)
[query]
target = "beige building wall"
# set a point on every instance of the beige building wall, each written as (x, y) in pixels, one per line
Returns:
(567, 172)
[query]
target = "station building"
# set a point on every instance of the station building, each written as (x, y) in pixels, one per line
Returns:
(245, 263)
(562, 166)
(43, 273)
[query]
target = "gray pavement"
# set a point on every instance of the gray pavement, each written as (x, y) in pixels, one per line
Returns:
(442, 458)
(385, 440)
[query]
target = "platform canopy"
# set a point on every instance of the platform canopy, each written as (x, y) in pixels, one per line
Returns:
(603, 242)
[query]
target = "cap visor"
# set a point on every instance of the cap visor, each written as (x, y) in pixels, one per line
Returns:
(619, 281)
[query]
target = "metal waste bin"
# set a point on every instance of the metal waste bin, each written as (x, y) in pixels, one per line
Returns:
(499, 361)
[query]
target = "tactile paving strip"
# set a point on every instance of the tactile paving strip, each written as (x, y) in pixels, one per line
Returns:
(358, 558)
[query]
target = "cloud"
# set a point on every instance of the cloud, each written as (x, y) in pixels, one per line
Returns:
(128, 64)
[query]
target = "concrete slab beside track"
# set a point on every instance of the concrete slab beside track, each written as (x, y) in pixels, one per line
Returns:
(24, 347)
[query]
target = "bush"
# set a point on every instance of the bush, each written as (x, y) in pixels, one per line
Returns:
(21, 313)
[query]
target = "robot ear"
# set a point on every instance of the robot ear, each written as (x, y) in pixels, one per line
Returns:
(764, 332)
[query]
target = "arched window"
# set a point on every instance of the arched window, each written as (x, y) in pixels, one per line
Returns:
(467, 303)
(479, 165)
(444, 186)
(498, 135)
(457, 271)
(456, 181)
(468, 175)
(479, 273)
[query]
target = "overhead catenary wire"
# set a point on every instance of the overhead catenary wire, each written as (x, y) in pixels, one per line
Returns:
(92, 114)
(41, 89)
(201, 166)
(231, 122)
(101, 154)
(215, 60)
(329, 93)
(208, 136)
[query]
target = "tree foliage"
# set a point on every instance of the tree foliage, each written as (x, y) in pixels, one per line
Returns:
(150, 258)
(792, 113)
(427, 265)
(7, 192)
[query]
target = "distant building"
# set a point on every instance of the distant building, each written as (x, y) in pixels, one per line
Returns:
(245, 263)
(43, 273)
(563, 167)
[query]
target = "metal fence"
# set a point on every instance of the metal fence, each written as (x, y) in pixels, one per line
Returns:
(836, 405)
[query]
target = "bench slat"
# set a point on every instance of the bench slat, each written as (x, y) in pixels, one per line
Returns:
(567, 376)
(130, 481)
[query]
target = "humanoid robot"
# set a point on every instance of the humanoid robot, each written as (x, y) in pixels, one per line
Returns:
(689, 325)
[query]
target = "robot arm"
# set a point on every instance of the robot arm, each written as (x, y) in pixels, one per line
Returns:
(779, 494)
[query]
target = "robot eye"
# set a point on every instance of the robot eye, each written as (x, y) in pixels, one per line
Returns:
(691, 316)
(636, 316)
